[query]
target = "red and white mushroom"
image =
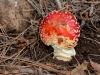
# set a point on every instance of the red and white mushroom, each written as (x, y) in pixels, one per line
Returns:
(60, 30)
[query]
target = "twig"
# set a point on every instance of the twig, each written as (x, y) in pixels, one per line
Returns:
(91, 39)
(96, 2)
(7, 43)
(10, 57)
(37, 7)
(44, 57)
(16, 57)
(35, 63)
(59, 4)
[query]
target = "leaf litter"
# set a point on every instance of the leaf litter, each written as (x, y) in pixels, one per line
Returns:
(20, 49)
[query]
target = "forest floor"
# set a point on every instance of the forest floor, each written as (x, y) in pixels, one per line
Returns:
(23, 53)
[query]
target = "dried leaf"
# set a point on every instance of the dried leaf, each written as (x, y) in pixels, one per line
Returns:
(79, 70)
(98, 73)
(96, 66)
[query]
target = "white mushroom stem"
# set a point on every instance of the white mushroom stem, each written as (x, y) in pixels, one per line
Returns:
(63, 54)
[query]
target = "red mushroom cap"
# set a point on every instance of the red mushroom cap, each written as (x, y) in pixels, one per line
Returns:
(60, 28)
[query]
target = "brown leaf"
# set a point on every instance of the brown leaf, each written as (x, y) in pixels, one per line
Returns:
(96, 66)
(79, 70)
(98, 73)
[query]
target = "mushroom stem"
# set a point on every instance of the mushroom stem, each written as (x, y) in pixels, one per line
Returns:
(63, 54)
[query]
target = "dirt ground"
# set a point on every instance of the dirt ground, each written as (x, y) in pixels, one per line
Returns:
(23, 53)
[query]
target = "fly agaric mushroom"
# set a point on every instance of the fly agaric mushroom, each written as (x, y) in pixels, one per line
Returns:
(60, 30)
